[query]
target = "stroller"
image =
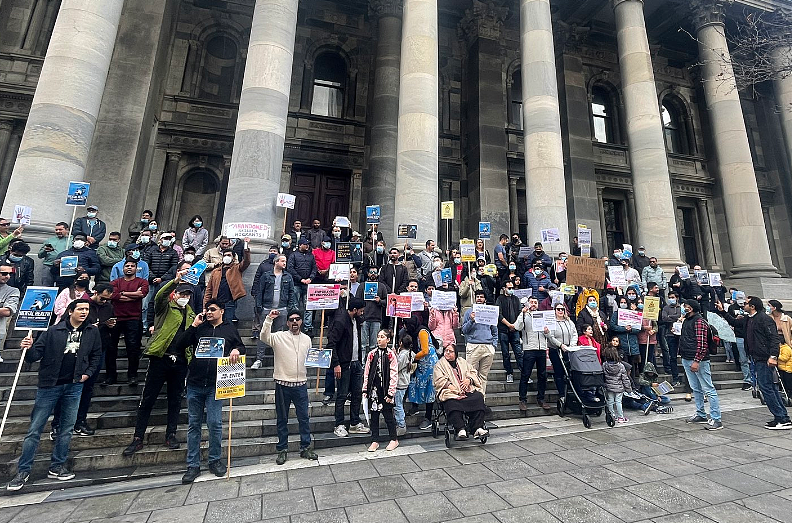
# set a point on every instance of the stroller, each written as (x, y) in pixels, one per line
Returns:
(778, 384)
(585, 386)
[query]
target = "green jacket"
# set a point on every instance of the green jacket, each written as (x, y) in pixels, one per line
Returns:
(107, 258)
(4, 242)
(167, 319)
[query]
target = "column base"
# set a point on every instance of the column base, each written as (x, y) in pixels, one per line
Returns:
(777, 288)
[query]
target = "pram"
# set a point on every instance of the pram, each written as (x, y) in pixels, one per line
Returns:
(779, 384)
(585, 386)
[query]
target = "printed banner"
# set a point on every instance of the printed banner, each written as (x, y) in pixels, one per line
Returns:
(486, 314)
(584, 236)
(443, 301)
(715, 279)
(702, 277)
(467, 248)
(78, 193)
(485, 232)
(210, 347)
(406, 231)
(616, 276)
(349, 252)
(447, 210)
(372, 214)
(194, 273)
(585, 272)
(36, 308)
(230, 379)
(338, 271)
(630, 318)
(285, 200)
(318, 358)
(542, 319)
(651, 309)
(68, 266)
(684, 272)
(248, 230)
(371, 290)
(323, 296)
(22, 214)
(418, 300)
(399, 306)
(551, 235)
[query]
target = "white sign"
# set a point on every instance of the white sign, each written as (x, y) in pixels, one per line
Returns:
(616, 276)
(285, 200)
(715, 279)
(628, 318)
(542, 319)
(341, 221)
(551, 235)
(584, 236)
(523, 293)
(443, 301)
(260, 231)
(417, 300)
(486, 314)
(22, 214)
(339, 271)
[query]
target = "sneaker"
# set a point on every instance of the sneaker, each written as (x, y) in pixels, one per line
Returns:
(83, 430)
(18, 482)
(776, 425)
(53, 434)
(1, 361)
(308, 453)
(746, 386)
(373, 447)
(60, 472)
(256, 365)
(523, 405)
(696, 419)
(401, 431)
(326, 400)
(217, 468)
(509, 378)
(649, 407)
(462, 435)
(425, 425)
(480, 433)
(714, 424)
(341, 431)
(688, 397)
(171, 442)
(360, 428)
(283, 455)
(133, 447)
(191, 474)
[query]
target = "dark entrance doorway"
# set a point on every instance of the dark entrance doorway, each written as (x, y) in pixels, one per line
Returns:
(319, 195)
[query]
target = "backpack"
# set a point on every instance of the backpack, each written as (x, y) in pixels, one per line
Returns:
(713, 340)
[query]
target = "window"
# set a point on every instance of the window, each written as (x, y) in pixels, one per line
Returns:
(603, 114)
(330, 77)
(515, 108)
(219, 70)
(614, 223)
(672, 128)
(686, 218)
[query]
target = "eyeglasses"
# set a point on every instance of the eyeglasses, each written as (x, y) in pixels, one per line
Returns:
(295, 320)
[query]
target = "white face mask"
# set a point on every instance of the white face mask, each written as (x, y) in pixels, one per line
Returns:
(144, 239)
(91, 215)
(337, 234)
(181, 302)
(79, 244)
(189, 257)
(227, 260)
(166, 243)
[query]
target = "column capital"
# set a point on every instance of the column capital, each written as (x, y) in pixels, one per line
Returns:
(382, 8)
(174, 156)
(569, 37)
(483, 20)
(513, 180)
(709, 12)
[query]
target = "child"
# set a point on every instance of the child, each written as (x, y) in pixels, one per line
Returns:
(405, 366)
(379, 386)
(587, 339)
(617, 382)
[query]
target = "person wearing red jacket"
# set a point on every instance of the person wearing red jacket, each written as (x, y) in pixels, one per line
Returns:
(324, 256)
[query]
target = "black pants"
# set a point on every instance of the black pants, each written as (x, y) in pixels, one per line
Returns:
(351, 382)
(457, 420)
(161, 371)
(529, 359)
(785, 377)
(390, 422)
(132, 331)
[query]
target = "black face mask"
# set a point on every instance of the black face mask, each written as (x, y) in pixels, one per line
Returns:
(82, 283)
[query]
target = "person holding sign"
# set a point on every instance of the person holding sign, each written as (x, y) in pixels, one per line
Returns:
(290, 348)
(87, 260)
(481, 252)
(509, 306)
(380, 377)
(481, 341)
(276, 290)
(201, 385)
(559, 338)
(7, 237)
(442, 324)
(394, 274)
(225, 283)
(347, 365)
(9, 303)
(628, 339)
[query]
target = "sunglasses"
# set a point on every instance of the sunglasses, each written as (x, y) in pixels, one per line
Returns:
(3, 273)
(5, 224)
(294, 319)
(560, 309)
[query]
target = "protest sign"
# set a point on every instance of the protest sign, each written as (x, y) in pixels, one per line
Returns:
(542, 319)
(616, 276)
(628, 318)
(372, 214)
(525, 252)
(702, 277)
(68, 266)
(485, 232)
(194, 273)
(585, 272)
(446, 275)
(715, 279)
(523, 293)
(36, 308)
(285, 200)
(323, 296)
(467, 248)
(230, 378)
(584, 236)
(78, 193)
(259, 231)
(627, 250)
(567, 289)
(676, 328)
(338, 271)
(491, 270)
(417, 303)
(437, 276)
(684, 272)
(341, 221)
(651, 309)
(22, 214)
(370, 290)
(346, 252)
(551, 235)
(585, 250)
(209, 347)
(486, 314)
(444, 301)
(447, 210)
(407, 231)
(319, 358)
(560, 266)
(399, 306)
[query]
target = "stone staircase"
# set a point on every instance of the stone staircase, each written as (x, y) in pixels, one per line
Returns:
(254, 433)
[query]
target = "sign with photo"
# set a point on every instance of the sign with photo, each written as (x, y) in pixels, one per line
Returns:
(370, 290)
(318, 358)
(399, 306)
(372, 214)
(485, 231)
(230, 378)
(68, 266)
(285, 200)
(551, 235)
(22, 214)
(467, 248)
(209, 347)
(78, 193)
(684, 272)
(407, 231)
(36, 308)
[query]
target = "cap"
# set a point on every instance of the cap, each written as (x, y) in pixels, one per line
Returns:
(80, 235)
(286, 237)
(693, 304)
(356, 303)
(641, 247)
(355, 233)
(303, 241)
(94, 207)
(184, 287)
(131, 247)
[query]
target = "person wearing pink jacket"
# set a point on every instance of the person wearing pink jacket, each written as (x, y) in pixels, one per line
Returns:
(442, 325)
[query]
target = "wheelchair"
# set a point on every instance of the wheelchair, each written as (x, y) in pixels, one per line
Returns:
(440, 422)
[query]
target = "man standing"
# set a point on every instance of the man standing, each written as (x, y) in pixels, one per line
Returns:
(201, 385)
(539, 255)
(132, 251)
(135, 229)
(276, 290)
(225, 282)
(640, 261)
(481, 341)
(91, 227)
(376, 258)
(394, 274)
(69, 352)
(509, 306)
(654, 273)
(372, 315)
(735, 312)
(50, 250)
(501, 256)
(668, 317)
(290, 349)
(162, 263)
(426, 256)
(324, 257)
(316, 234)
(347, 366)
(9, 303)
(23, 265)
(86, 259)
(694, 348)
(128, 294)
(534, 353)
(109, 254)
(296, 232)
(302, 267)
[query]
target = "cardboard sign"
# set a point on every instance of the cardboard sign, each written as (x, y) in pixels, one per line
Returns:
(585, 272)
(584, 236)
(467, 248)
(684, 272)
(372, 214)
(285, 200)
(616, 276)
(447, 210)
(630, 318)
(399, 306)
(443, 301)
(194, 273)
(230, 378)
(77, 193)
(702, 277)
(418, 299)
(406, 231)
(68, 266)
(651, 309)
(349, 252)
(485, 232)
(22, 214)
(715, 279)
(370, 290)
(338, 271)
(209, 347)
(318, 358)
(323, 296)
(260, 231)
(486, 314)
(36, 308)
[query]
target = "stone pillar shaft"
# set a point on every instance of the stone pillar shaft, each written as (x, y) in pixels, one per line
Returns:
(417, 145)
(783, 96)
(544, 160)
(6, 153)
(705, 231)
(167, 195)
(34, 26)
(261, 126)
(603, 225)
(62, 118)
(514, 206)
(655, 220)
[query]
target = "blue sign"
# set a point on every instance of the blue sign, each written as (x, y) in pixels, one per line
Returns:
(68, 266)
(210, 348)
(372, 214)
(370, 290)
(78, 193)
(318, 358)
(446, 275)
(484, 230)
(36, 308)
(194, 273)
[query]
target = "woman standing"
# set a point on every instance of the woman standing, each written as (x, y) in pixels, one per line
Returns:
(75, 291)
(421, 390)
(559, 339)
(380, 378)
(481, 252)
(196, 236)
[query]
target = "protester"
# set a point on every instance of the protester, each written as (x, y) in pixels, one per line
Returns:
(9, 303)
(460, 391)
(372, 314)
(509, 307)
(109, 255)
(77, 290)
(23, 265)
(559, 339)
(225, 284)
(467, 289)
(324, 257)
(670, 315)
(539, 255)
(128, 294)
(162, 263)
(538, 280)
(214, 256)
(421, 390)
(406, 365)
(90, 226)
(426, 256)
(394, 274)
(135, 228)
(587, 339)
(589, 313)
(380, 377)
(86, 260)
(534, 353)
(640, 261)
(442, 325)
(50, 250)
(347, 365)
(296, 232)
(411, 261)
(132, 251)
(376, 258)
(196, 236)
(694, 348)
(501, 256)
(654, 273)
(302, 267)
(480, 342)
(276, 291)
(628, 339)
(481, 252)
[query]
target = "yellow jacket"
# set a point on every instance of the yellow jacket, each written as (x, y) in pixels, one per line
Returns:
(785, 358)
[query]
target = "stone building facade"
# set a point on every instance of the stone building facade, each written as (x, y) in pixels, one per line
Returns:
(526, 113)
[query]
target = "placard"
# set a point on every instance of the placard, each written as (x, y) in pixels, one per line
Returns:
(525, 252)
(437, 276)
(585, 250)
(417, 300)
(486, 314)
(68, 265)
(550, 235)
(22, 214)
(77, 193)
(629, 318)
(585, 272)
(443, 301)
(36, 308)
(702, 277)
(370, 290)
(491, 270)
(446, 275)
(194, 273)
(447, 210)
(523, 293)
(230, 378)
(259, 231)
(627, 250)
(616, 276)
(343, 252)
(542, 319)
(676, 328)
(560, 266)
(567, 289)
(584, 236)
(318, 358)
(485, 231)
(399, 306)
(372, 214)
(407, 231)
(651, 310)
(210, 347)
(323, 296)
(285, 200)
(684, 272)
(338, 271)
(467, 248)
(341, 221)
(715, 279)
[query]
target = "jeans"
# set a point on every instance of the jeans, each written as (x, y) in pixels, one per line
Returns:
(46, 399)
(368, 334)
(161, 371)
(229, 310)
(132, 339)
(302, 295)
(701, 383)
(398, 407)
(539, 358)
(745, 362)
(329, 382)
(558, 370)
(614, 402)
(764, 378)
(510, 338)
(351, 381)
(730, 348)
(673, 349)
(284, 397)
(85, 402)
(148, 312)
(199, 398)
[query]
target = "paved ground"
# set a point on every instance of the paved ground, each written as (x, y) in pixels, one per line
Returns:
(655, 468)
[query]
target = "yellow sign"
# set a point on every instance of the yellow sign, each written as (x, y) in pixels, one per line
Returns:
(651, 308)
(568, 290)
(230, 378)
(447, 210)
(467, 248)
(490, 270)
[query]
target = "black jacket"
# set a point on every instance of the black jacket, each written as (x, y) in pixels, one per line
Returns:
(340, 338)
(373, 310)
(510, 308)
(387, 274)
(738, 321)
(162, 264)
(688, 344)
(23, 272)
(301, 265)
(203, 371)
(761, 337)
(49, 347)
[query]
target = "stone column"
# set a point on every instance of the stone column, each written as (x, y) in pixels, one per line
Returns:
(261, 126)
(7, 154)
(632, 218)
(34, 25)
(417, 144)
(544, 160)
(380, 180)
(62, 118)
(655, 217)
(603, 226)
(783, 93)
(167, 196)
(514, 206)
(745, 224)
(705, 232)
(6, 127)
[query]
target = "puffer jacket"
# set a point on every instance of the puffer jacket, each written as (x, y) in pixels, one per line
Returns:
(628, 340)
(301, 265)
(534, 283)
(616, 378)
(442, 325)
(162, 264)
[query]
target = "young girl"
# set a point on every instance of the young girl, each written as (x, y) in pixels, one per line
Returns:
(405, 365)
(617, 382)
(379, 385)
(587, 338)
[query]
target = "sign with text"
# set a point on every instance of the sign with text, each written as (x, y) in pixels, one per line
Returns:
(467, 248)
(372, 214)
(77, 193)
(447, 210)
(259, 231)
(523, 293)
(585, 272)
(551, 235)
(194, 273)
(418, 300)
(616, 276)
(341, 221)
(209, 347)
(444, 301)
(542, 319)
(285, 200)
(715, 279)
(22, 214)
(485, 231)
(338, 271)
(68, 266)
(628, 318)
(407, 231)
(319, 358)
(230, 379)
(370, 290)
(36, 308)
(323, 296)
(584, 236)
(399, 306)
(486, 314)
(651, 309)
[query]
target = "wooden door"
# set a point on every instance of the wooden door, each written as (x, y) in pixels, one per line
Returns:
(319, 196)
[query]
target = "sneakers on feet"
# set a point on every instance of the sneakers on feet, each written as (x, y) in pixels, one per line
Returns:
(83, 430)
(133, 447)
(480, 433)
(60, 472)
(283, 455)
(326, 400)
(308, 453)
(392, 445)
(256, 365)
(509, 378)
(53, 434)
(18, 481)
(777, 425)
(425, 425)
(696, 419)
(746, 386)
(677, 383)
(341, 431)
(713, 424)
(401, 431)
(191, 474)
(530, 381)
(171, 442)
(217, 468)
(360, 428)
(622, 420)
(462, 435)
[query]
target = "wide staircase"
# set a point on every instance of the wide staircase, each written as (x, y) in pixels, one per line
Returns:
(112, 414)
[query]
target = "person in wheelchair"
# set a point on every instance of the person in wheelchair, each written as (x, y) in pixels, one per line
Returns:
(458, 388)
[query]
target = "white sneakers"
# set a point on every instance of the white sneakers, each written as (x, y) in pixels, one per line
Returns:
(256, 365)
(481, 433)
(341, 431)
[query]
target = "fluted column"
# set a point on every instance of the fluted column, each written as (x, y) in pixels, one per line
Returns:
(260, 135)
(417, 145)
(783, 88)
(6, 153)
(603, 225)
(514, 206)
(167, 195)
(65, 107)
(380, 181)
(544, 161)
(655, 220)
(35, 24)
(705, 232)
(745, 224)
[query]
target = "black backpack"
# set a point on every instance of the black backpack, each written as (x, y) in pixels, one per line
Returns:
(713, 340)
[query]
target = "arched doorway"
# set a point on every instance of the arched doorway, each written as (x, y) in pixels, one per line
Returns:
(199, 194)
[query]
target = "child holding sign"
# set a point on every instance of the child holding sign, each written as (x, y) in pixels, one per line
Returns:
(380, 377)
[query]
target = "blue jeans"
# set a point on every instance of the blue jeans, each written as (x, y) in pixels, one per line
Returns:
(398, 407)
(510, 338)
(764, 378)
(368, 335)
(284, 397)
(614, 403)
(745, 361)
(673, 347)
(199, 398)
(46, 399)
(701, 383)
(229, 310)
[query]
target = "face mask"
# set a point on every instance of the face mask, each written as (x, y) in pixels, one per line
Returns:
(537, 272)
(509, 292)
(325, 245)
(112, 244)
(622, 305)
(181, 302)
(189, 257)
(82, 283)
(592, 304)
(641, 253)
(740, 302)
(144, 239)
(410, 252)
(640, 306)
(79, 244)
(380, 249)
(166, 243)
(688, 311)
(671, 301)
(767, 310)
(457, 260)
(272, 256)
(91, 215)
(14, 258)
(631, 297)
(437, 265)
(197, 224)
(336, 234)
(153, 227)
(512, 267)
(144, 221)
(227, 260)
(136, 255)
(563, 258)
